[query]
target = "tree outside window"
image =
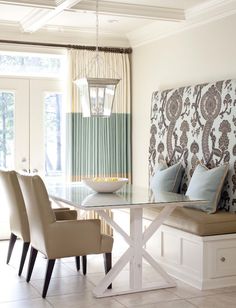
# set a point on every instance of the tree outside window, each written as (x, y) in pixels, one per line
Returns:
(53, 134)
(6, 128)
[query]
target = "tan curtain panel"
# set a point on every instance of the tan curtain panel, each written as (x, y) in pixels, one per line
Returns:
(99, 146)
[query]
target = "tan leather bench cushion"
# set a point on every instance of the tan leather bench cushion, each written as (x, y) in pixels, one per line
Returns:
(197, 222)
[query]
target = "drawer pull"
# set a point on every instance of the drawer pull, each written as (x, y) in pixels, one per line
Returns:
(222, 259)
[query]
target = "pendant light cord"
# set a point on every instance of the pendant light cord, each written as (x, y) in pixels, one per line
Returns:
(97, 56)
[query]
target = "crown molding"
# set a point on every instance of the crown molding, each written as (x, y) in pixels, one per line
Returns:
(35, 14)
(133, 10)
(210, 6)
(32, 3)
(62, 35)
(199, 15)
(37, 18)
(109, 8)
(156, 30)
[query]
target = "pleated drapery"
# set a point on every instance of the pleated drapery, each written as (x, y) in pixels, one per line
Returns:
(99, 147)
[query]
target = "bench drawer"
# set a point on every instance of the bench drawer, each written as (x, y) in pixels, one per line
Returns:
(221, 259)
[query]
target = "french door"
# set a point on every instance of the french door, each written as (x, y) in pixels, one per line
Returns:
(31, 130)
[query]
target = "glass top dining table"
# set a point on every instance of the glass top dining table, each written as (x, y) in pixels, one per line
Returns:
(80, 196)
(135, 199)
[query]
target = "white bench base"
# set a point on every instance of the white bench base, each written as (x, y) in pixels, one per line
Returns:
(204, 262)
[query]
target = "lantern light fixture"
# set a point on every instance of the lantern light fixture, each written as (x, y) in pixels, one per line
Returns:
(96, 93)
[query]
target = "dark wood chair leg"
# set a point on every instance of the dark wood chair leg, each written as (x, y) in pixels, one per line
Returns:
(12, 241)
(48, 275)
(23, 256)
(84, 263)
(108, 264)
(77, 262)
(33, 255)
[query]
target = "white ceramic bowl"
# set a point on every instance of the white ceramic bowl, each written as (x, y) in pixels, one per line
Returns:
(104, 185)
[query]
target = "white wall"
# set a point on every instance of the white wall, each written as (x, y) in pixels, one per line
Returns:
(202, 54)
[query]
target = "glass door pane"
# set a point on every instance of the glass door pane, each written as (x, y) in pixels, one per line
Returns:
(47, 128)
(53, 134)
(7, 103)
(14, 136)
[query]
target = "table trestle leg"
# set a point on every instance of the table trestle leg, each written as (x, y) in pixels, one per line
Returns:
(101, 288)
(136, 225)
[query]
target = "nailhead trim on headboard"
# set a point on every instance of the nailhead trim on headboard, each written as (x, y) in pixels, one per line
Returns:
(196, 123)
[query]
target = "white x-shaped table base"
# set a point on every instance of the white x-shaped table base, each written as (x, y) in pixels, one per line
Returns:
(135, 253)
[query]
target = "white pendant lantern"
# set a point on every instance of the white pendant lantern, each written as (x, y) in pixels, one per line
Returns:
(97, 96)
(97, 93)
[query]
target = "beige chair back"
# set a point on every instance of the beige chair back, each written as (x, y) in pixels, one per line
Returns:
(40, 213)
(12, 195)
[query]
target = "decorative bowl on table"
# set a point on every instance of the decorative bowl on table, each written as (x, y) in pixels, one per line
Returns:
(105, 185)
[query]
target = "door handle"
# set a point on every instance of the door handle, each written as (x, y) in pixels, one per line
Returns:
(35, 170)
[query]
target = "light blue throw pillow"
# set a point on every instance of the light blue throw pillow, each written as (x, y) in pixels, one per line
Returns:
(207, 184)
(167, 178)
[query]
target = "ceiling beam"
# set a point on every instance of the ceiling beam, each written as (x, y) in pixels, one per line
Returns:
(111, 8)
(31, 3)
(40, 17)
(133, 10)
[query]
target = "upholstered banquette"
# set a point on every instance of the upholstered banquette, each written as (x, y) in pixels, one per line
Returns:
(191, 125)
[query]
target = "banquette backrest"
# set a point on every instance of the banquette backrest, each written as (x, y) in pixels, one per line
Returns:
(196, 123)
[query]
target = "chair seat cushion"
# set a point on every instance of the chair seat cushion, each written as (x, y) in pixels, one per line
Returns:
(197, 222)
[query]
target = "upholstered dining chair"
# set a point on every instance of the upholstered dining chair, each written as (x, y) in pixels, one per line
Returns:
(58, 239)
(19, 225)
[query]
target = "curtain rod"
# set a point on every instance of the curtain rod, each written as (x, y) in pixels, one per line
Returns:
(92, 48)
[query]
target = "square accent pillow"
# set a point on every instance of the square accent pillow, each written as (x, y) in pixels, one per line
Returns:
(207, 184)
(167, 178)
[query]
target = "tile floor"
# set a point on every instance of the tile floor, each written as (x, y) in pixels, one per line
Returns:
(69, 288)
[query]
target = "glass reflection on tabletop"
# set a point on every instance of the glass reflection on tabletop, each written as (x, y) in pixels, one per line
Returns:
(104, 199)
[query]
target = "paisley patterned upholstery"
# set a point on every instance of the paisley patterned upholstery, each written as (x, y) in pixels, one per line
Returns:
(196, 123)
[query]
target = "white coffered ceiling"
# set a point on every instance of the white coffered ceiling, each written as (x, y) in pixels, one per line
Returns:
(121, 22)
